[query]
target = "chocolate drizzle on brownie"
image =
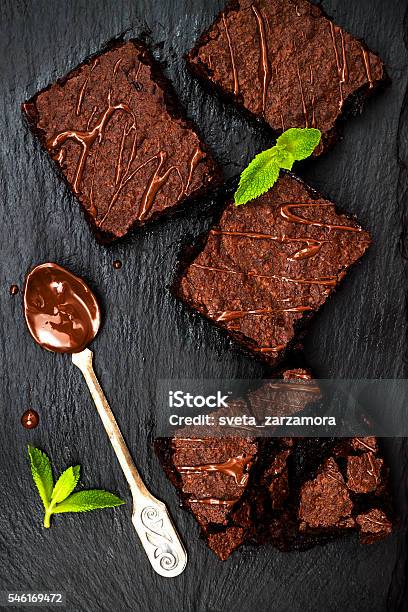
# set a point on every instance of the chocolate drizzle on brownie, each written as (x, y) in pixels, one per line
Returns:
(234, 466)
(213, 501)
(264, 70)
(287, 63)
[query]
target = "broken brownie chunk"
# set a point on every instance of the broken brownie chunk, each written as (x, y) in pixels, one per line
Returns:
(214, 473)
(285, 62)
(268, 265)
(374, 525)
(211, 475)
(363, 472)
(325, 500)
(116, 131)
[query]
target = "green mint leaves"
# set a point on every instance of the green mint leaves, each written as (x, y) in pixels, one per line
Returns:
(298, 142)
(262, 173)
(60, 498)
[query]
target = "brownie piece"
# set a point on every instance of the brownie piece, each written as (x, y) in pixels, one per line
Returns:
(293, 493)
(364, 473)
(268, 265)
(285, 62)
(325, 501)
(349, 491)
(212, 475)
(115, 129)
(374, 525)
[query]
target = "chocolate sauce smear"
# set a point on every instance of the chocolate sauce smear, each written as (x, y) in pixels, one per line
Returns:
(61, 311)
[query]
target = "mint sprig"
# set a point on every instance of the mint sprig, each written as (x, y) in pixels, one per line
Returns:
(60, 498)
(262, 173)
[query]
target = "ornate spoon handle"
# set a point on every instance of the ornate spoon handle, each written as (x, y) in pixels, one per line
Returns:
(150, 517)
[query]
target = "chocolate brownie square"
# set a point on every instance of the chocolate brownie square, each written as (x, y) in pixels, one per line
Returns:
(116, 130)
(268, 265)
(285, 62)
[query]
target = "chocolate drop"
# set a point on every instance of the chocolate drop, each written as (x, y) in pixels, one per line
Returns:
(30, 419)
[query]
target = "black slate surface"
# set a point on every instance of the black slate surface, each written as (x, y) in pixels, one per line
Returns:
(362, 332)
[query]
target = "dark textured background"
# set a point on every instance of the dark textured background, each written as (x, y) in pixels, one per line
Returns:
(96, 557)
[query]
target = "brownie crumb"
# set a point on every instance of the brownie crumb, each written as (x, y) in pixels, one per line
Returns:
(374, 525)
(363, 473)
(223, 544)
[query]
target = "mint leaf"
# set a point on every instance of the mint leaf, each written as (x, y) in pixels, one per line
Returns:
(263, 171)
(42, 474)
(299, 142)
(65, 484)
(284, 158)
(59, 498)
(258, 177)
(84, 501)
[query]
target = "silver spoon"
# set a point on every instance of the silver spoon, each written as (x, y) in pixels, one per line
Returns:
(63, 316)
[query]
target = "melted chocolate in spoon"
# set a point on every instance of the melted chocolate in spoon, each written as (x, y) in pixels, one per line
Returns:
(61, 311)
